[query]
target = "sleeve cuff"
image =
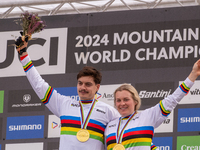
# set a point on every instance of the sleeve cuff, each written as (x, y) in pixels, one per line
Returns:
(188, 83)
(25, 60)
(21, 58)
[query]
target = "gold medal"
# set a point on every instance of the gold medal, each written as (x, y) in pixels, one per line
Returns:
(119, 147)
(83, 135)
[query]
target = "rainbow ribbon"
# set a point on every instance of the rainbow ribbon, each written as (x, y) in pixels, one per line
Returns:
(119, 134)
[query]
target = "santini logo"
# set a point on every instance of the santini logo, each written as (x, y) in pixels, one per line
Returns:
(25, 127)
(189, 119)
(154, 94)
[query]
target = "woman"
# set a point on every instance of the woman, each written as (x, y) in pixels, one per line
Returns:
(133, 130)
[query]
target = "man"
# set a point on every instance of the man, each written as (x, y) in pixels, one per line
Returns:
(82, 122)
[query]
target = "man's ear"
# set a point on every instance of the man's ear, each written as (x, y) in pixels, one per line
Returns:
(98, 86)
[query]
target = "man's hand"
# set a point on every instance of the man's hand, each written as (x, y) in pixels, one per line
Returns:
(21, 44)
(21, 48)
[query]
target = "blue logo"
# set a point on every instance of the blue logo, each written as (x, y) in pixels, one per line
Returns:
(68, 91)
(188, 119)
(25, 127)
(163, 143)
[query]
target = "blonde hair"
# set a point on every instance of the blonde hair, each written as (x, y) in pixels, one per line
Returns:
(132, 91)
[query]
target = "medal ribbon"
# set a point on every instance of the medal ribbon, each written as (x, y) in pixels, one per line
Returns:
(119, 134)
(85, 121)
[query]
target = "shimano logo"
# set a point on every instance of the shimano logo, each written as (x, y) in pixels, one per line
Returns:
(101, 111)
(75, 105)
(25, 127)
(189, 119)
(154, 94)
(185, 147)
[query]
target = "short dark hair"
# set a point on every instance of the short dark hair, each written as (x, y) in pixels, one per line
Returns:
(90, 71)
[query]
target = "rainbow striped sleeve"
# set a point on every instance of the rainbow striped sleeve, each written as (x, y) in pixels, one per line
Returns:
(47, 96)
(184, 88)
(153, 147)
(163, 110)
(28, 66)
(70, 125)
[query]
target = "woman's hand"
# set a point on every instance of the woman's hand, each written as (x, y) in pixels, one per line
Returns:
(195, 71)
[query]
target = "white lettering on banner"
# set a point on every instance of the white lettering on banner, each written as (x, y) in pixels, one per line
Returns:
(152, 94)
(41, 53)
(27, 105)
(171, 53)
(185, 147)
(145, 53)
(189, 119)
(88, 40)
(105, 56)
(25, 127)
(169, 35)
(163, 147)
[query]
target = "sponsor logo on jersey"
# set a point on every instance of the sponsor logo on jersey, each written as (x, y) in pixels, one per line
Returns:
(75, 105)
(113, 125)
(101, 111)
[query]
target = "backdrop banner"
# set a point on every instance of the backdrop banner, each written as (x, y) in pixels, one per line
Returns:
(153, 50)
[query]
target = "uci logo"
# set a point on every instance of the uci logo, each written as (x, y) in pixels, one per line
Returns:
(47, 50)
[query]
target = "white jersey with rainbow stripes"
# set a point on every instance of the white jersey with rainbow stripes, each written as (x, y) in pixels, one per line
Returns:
(140, 130)
(68, 110)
